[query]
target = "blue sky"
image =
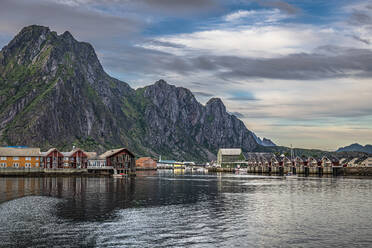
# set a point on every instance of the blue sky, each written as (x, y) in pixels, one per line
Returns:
(297, 72)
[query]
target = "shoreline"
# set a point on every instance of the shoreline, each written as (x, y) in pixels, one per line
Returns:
(335, 171)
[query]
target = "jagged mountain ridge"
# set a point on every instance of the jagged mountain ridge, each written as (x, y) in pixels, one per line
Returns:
(356, 148)
(264, 141)
(54, 92)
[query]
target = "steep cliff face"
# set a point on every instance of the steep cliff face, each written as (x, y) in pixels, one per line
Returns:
(179, 123)
(54, 92)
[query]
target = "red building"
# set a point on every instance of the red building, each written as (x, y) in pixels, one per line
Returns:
(145, 163)
(52, 159)
(76, 158)
(120, 159)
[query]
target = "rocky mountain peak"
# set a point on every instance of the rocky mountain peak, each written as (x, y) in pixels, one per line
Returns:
(161, 83)
(216, 104)
(54, 92)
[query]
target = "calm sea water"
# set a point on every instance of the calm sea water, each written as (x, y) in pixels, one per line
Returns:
(162, 209)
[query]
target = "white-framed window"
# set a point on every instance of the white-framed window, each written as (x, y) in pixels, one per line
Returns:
(48, 159)
(28, 165)
(15, 165)
(36, 164)
(28, 158)
(65, 158)
(15, 158)
(66, 164)
(37, 158)
(3, 158)
(2, 165)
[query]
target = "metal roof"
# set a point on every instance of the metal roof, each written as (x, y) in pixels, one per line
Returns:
(19, 152)
(113, 152)
(231, 151)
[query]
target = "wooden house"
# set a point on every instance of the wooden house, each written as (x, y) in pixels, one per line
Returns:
(229, 157)
(77, 159)
(20, 157)
(52, 159)
(122, 160)
(145, 163)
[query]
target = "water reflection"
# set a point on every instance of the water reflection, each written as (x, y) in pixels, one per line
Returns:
(165, 209)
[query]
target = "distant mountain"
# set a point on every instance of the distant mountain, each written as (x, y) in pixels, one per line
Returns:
(54, 92)
(264, 141)
(356, 148)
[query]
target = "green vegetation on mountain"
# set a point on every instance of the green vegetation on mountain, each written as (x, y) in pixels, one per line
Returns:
(54, 92)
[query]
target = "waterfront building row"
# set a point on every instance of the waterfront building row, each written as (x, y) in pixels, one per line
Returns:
(236, 158)
(122, 160)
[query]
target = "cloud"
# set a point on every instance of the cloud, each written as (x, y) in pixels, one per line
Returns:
(83, 23)
(263, 16)
(360, 18)
(365, 41)
(170, 7)
(241, 96)
(237, 114)
(325, 62)
(283, 6)
(203, 94)
(158, 43)
(239, 14)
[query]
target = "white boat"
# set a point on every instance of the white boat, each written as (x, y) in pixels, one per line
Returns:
(119, 175)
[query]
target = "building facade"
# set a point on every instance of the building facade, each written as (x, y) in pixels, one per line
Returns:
(122, 160)
(145, 163)
(53, 159)
(77, 159)
(229, 157)
(13, 157)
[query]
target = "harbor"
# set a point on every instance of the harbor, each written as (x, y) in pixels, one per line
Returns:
(233, 160)
(163, 208)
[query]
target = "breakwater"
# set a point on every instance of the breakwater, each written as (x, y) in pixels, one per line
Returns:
(302, 170)
(45, 172)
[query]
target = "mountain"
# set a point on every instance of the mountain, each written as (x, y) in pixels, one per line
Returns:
(55, 93)
(264, 141)
(356, 148)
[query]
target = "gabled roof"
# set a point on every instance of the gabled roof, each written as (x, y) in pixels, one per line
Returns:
(144, 159)
(70, 153)
(113, 152)
(333, 159)
(360, 160)
(19, 152)
(92, 155)
(231, 151)
(49, 151)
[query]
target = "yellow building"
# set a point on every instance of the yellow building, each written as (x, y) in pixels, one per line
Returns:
(11, 157)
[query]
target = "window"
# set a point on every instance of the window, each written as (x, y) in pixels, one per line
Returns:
(37, 158)
(16, 165)
(36, 164)
(66, 164)
(48, 159)
(28, 165)
(65, 158)
(28, 158)
(3, 158)
(3, 165)
(15, 158)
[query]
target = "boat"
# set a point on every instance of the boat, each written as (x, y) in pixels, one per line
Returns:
(121, 175)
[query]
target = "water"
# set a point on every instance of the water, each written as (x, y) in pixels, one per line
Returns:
(160, 209)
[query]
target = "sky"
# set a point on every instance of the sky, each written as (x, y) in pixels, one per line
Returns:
(296, 71)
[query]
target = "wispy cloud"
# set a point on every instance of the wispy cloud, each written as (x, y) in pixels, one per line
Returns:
(292, 70)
